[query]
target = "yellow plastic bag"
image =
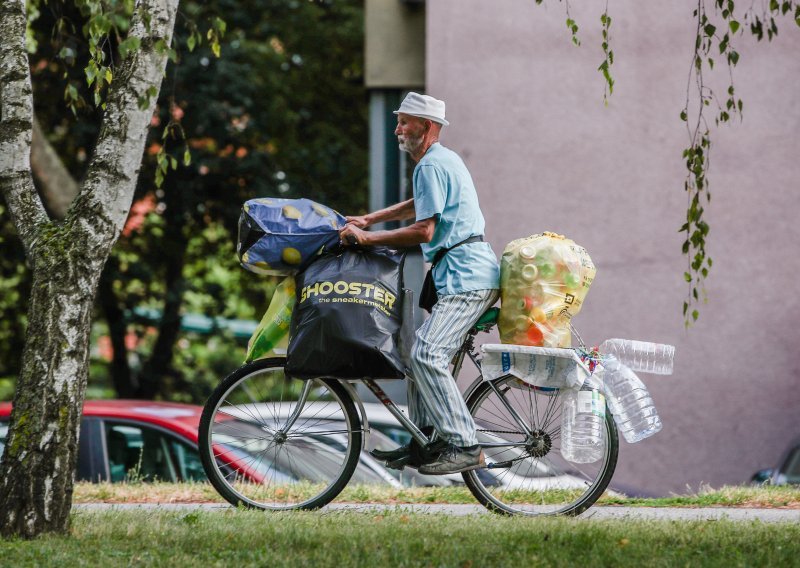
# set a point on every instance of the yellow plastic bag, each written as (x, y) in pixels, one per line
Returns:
(271, 338)
(544, 280)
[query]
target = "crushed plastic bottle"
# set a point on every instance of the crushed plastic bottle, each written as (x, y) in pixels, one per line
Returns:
(641, 356)
(583, 424)
(628, 400)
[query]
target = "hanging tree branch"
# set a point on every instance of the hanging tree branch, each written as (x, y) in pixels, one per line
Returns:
(713, 38)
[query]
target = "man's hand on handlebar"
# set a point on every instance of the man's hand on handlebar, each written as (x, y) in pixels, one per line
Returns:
(352, 235)
(359, 221)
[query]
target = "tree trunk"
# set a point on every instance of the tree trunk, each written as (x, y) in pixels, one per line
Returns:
(121, 375)
(58, 188)
(159, 364)
(36, 475)
(37, 468)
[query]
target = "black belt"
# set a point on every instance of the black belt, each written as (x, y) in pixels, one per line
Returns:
(441, 252)
(428, 296)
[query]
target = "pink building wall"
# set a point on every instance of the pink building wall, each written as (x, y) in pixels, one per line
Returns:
(526, 114)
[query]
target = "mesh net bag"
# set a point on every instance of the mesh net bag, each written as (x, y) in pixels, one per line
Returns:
(544, 280)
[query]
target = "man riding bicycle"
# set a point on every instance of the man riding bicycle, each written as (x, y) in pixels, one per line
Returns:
(466, 276)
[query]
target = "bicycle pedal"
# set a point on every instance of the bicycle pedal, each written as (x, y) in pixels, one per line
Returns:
(500, 465)
(399, 464)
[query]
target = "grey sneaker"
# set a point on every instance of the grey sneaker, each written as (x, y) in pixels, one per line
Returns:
(455, 459)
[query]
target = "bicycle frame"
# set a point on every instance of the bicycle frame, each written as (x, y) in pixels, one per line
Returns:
(467, 349)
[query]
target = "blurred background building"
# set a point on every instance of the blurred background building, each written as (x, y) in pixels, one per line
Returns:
(527, 115)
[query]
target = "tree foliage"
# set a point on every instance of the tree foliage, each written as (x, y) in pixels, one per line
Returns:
(716, 32)
(282, 111)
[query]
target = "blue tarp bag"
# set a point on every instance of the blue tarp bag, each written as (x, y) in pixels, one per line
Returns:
(281, 236)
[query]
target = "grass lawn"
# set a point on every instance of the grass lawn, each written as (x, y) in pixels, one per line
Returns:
(341, 539)
(784, 497)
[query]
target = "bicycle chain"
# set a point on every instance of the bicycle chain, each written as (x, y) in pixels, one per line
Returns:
(501, 432)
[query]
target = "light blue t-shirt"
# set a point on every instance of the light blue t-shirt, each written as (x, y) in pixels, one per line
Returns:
(443, 189)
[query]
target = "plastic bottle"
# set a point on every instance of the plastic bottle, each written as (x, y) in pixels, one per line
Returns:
(527, 253)
(529, 272)
(628, 400)
(640, 356)
(583, 424)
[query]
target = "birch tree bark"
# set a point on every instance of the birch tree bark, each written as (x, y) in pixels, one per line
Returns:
(56, 185)
(66, 259)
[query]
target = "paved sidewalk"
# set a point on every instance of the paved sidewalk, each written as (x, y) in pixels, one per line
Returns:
(656, 513)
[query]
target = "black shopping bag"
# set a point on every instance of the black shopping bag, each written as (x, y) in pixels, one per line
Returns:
(346, 322)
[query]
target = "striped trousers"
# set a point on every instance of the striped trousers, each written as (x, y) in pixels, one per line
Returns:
(433, 395)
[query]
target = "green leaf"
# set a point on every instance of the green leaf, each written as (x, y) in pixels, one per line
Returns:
(687, 276)
(66, 53)
(683, 118)
(187, 157)
(695, 315)
(173, 163)
(91, 73)
(734, 26)
(128, 45)
(709, 29)
(191, 42)
(220, 25)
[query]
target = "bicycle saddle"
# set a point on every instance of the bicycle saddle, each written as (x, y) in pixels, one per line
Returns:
(488, 319)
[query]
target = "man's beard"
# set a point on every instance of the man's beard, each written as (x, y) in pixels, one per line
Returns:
(409, 144)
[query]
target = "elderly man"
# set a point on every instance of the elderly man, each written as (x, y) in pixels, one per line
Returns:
(449, 227)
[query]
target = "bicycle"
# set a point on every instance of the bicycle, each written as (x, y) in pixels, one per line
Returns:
(268, 441)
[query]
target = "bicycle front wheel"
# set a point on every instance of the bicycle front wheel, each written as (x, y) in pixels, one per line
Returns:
(532, 478)
(260, 449)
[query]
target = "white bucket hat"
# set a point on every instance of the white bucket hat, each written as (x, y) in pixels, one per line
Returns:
(423, 106)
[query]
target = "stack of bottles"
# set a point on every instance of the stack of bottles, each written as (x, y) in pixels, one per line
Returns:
(628, 398)
(616, 384)
(544, 280)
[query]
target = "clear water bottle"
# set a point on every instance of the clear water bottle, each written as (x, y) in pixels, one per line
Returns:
(640, 356)
(583, 424)
(628, 400)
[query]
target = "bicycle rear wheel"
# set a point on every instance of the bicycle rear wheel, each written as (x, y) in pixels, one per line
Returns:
(255, 456)
(534, 478)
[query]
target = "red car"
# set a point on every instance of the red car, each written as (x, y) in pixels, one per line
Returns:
(133, 439)
(145, 440)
